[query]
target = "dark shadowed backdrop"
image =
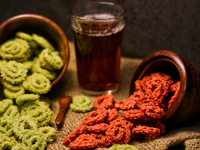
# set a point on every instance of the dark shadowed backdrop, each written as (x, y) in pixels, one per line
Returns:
(151, 25)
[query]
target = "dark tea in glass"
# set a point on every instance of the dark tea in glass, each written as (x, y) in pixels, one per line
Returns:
(98, 42)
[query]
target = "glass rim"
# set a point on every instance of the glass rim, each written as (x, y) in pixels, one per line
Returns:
(101, 3)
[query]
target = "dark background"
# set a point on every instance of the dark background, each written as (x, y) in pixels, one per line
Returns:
(151, 25)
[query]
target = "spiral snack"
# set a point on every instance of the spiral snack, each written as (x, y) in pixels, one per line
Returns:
(15, 49)
(14, 72)
(37, 83)
(123, 147)
(6, 142)
(42, 41)
(49, 132)
(2, 64)
(20, 146)
(13, 94)
(24, 36)
(26, 97)
(4, 131)
(35, 140)
(12, 112)
(5, 104)
(45, 101)
(81, 103)
(22, 125)
(50, 59)
(28, 64)
(36, 68)
(42, 115)
(6, 122)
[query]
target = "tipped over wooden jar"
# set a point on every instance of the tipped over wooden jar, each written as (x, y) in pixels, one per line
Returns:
(186, 107)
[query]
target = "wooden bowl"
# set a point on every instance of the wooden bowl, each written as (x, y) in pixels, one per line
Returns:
(33, 23)
(186, 108)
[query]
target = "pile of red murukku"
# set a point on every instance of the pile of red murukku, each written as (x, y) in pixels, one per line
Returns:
(138, 117)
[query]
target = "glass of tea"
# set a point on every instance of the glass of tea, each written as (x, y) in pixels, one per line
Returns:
(98, 35)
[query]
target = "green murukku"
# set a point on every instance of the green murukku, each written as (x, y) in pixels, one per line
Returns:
(45, 101)
(12, 87)
(28, 64)
(123, 147)
(7, 122)
(22, 125)
(50, 59)
(20, 146)
(81, 103)
(14, 72)
(6, 142)
(15, 49)
(37, 83)
(4, 131)
(13, 94)
(26, 97)
(49, 132)
(23, 35)
(37, 68)
(5, 104)
(12, 112)
(2, 64)
(34, 140)
(43, 42)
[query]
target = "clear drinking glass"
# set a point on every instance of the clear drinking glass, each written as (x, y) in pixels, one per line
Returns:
(98, 35)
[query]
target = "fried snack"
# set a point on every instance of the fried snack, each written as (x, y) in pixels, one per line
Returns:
(20, 146)
(40, 40)
(97, 128)
(4, 131)
(174, 88)
(50, 59)
(84, 141)
(112, 114)
(49, 132)
(148, 132)
(37, 83)
(95, 117)
(123, 147)
(104, 101)
(24, 36)
(2, 64)
(26, 97)
(15, 49)
(22, 125)
(6, 142)
(14, 72)
(123, 121)
(6, 122)
(81, 103)
(13, 94)
(5, 104)
(125, 105)
(28, 64)
(118, 133)
(74, 134)
(100, 139)
(42, 115)
(12, 112)
(37, 68)
(45, 101)
(12, 87)
(136, 114)
(35, 140)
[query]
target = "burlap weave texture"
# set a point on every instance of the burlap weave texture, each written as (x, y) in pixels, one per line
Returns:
(187, 138)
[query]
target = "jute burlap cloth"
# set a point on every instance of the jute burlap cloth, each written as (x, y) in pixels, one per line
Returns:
(186, 137)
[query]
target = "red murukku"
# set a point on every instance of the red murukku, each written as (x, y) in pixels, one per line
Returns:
(163, 75)
(125, 105)
(84, 141)
(112, 114)
(156, 124)
(95, 117)
(74, 134)
(157, 89)
(118, 133)
(136, 114)
(104, 101)
(97, 128)
(148, 132)
(152, 111)
(100, 139)
(174, 88)
(123, 121)
(140, 85)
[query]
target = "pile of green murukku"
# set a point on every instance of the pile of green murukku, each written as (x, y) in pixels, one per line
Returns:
(28, 63)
